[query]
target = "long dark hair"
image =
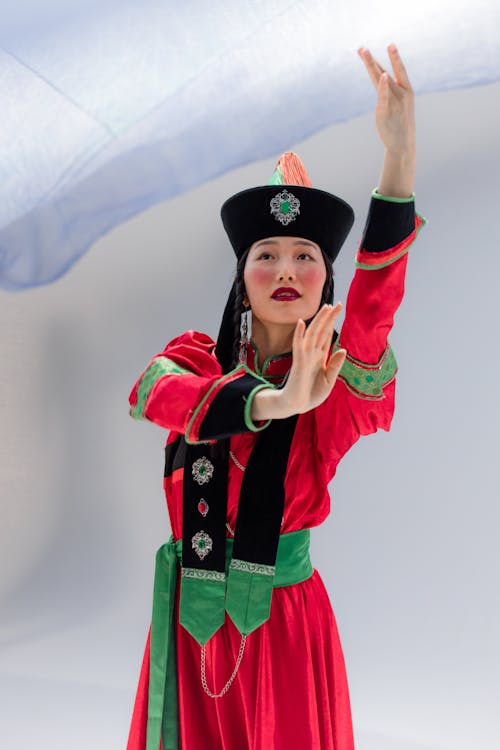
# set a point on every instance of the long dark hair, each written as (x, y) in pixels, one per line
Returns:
(239, 308)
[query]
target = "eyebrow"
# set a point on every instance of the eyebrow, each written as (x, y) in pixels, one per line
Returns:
(275, 242)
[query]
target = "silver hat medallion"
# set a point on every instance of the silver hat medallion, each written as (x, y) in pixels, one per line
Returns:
(285, 207)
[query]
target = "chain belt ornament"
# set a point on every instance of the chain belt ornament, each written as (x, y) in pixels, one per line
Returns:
(235, 670)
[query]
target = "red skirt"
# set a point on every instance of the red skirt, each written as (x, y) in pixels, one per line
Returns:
(290, 690)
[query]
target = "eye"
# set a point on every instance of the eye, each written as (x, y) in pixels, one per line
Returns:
(304, 253)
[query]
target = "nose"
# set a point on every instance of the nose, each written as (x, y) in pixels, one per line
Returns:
(287, 272)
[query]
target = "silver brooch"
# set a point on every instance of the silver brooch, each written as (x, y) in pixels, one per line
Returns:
(202, 544)
(203, 470)
(285, 207)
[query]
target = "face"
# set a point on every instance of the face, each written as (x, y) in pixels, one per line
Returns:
(284, 262)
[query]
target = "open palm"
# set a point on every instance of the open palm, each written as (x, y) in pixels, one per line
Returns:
(395, 110)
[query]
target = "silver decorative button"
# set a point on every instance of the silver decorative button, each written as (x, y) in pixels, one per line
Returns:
(202, 544)
(203, 470)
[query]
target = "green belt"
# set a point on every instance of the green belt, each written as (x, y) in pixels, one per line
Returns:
(293, 565)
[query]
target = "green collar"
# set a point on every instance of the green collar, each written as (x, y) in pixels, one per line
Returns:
(276, 363)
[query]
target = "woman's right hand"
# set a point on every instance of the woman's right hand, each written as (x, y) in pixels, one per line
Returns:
(312, 375)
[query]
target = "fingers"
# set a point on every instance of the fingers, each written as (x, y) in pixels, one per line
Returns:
(335, 365)
(375, 70)
(323, 334)
(400, 74)
(298, 334)
(319, 332)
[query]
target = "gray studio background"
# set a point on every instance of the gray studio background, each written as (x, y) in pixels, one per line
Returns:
(409, 554)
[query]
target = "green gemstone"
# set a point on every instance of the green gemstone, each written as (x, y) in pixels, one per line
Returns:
(201, 544)
(369, 378)
(285, 207)
(357, 381)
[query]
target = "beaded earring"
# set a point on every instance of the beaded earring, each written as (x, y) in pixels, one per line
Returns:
(244, 336)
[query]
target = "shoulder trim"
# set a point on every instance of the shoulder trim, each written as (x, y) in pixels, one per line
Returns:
(159, 367)
(367, 381)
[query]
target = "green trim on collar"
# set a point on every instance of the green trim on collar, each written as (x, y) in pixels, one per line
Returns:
(158, 368)
(392, 198)
(269, 359)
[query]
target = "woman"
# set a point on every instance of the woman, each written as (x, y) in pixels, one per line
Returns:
(257, 429)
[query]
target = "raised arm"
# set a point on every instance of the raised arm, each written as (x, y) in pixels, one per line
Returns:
(377, 288)
(363, 399)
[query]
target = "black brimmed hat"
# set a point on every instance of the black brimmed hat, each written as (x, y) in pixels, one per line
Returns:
(291, 211)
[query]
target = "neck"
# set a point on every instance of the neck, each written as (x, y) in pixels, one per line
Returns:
(272, 339)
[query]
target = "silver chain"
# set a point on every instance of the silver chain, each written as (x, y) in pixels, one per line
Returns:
(228, 683)
(240, 466)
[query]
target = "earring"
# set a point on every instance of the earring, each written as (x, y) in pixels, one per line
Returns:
(244, 338)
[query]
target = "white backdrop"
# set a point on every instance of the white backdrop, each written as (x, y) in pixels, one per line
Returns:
(409, 553)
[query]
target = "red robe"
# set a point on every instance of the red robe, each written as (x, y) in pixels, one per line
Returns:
(291, 690)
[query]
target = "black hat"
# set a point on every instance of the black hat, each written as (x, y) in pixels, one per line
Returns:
(291, 211)
(287, 206)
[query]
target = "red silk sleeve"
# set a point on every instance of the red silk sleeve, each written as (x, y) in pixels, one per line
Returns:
(363, 397)
(183, 389)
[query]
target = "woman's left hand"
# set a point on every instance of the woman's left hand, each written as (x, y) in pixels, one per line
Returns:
(395, 110)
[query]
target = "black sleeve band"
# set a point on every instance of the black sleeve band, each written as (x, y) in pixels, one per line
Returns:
(388, 223)
(226, 413)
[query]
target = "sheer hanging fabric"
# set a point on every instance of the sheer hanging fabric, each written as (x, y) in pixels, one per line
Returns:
(109, 108)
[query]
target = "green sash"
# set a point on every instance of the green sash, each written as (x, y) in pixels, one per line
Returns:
(293, 565)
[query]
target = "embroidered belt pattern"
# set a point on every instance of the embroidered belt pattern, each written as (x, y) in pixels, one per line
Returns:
(208, 575)
(267, 570)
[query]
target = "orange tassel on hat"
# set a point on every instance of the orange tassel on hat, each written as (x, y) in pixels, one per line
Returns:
(290, 171)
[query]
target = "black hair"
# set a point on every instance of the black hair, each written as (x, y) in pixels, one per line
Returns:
(239, 308)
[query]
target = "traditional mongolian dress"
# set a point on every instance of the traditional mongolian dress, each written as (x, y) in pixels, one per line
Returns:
(290, 689)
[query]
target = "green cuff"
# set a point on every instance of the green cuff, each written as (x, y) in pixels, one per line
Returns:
(392, 198)
(248, 407)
